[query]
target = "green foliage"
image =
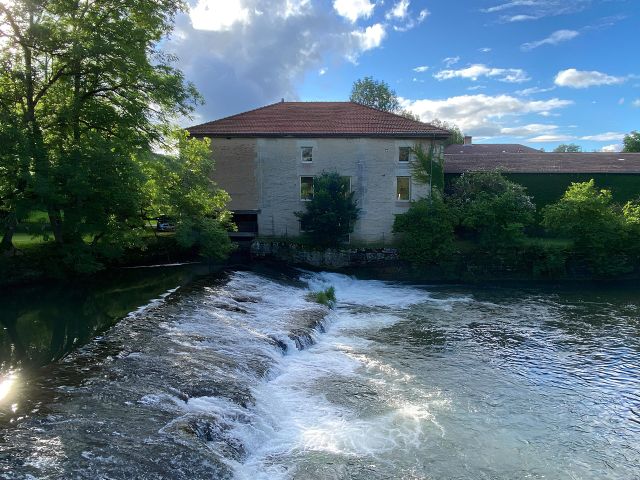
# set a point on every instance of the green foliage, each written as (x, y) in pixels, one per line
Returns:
(426, 231)
(456, 138)
(597, 226)
(568, 148)
(631, 142)
(331, 213)
(410, 115)
(492, 209)
(374, 93)
(325, 297)
(181, 188)
(85, 94)
(427, 167)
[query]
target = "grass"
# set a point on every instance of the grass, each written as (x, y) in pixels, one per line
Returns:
(325, 297)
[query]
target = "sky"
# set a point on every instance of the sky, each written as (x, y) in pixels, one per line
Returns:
(536, 72)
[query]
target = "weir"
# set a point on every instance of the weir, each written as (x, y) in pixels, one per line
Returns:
(240, 376)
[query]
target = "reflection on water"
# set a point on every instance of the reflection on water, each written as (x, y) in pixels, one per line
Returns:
(240, 376)
(41, 324)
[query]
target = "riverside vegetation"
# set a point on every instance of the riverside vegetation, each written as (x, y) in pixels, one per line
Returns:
(490, 225)
(86, 97)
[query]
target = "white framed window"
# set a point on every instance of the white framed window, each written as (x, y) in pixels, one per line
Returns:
(403, 189)
(404, 154)
(306, 188)
(306, 154)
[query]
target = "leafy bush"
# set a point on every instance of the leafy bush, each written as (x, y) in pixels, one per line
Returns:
(597, 226)
(331, 213)
(325, 297)
(426, 231)
(492, 210)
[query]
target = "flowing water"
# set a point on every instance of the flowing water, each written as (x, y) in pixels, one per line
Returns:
(240, 376)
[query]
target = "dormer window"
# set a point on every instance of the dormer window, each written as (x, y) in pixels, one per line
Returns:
(306, 154)
(404, 154)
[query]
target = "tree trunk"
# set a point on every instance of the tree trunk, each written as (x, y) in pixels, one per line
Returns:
(7, 239)
(55, 220)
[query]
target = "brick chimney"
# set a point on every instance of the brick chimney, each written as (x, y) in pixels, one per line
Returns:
(468, 140)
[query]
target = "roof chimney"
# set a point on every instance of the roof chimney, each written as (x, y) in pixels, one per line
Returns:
(468, 140)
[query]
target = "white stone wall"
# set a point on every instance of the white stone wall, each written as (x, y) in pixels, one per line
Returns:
(372, 165)
(264, 174)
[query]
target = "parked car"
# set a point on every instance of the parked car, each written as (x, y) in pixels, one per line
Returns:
(165, 224)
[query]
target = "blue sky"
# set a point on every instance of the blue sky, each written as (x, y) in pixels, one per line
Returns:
(538, 72)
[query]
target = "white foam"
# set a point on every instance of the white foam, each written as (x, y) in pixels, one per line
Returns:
(292, 416)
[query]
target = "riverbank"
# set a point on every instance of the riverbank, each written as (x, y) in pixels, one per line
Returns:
(535, 262)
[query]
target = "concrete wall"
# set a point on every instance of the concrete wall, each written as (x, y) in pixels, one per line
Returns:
(267, 174)
(236, 170)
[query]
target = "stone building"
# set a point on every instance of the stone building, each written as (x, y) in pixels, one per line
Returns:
(266, 160)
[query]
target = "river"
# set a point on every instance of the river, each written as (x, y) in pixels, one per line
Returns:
(170, 373)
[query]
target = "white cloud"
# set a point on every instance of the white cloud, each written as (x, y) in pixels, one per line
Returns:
(636, 103)
(450, 61)
(519, 18)
(551, 138)
(505, 6)
(354, 9)
(218, 15)
(535, 9)
(480, 114)
(612, 148)
(251, 58)
(371, 37)
(527, 130)
(323, 71)
(484, 50)
(421, 69)
(604, 137)
(553, 39)
(473, 72)
(583, 79)
(533, 90)
(621, 101)
(399, 11)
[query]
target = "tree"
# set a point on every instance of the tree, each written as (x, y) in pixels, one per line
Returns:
(181, 187)
(492, 209)
(568, 148)
(596, 225)
(456, 138)
(426, 231)
(332, 212)
(631, 142)
(376, 94)
(91, 94)
(427, 167)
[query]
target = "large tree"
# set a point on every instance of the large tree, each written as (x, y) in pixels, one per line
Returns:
(375, 93)
(631, 142)
(90, 93)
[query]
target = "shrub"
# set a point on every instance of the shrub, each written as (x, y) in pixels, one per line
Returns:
(426, 231)
(492, 209)
(331, 213)
(325, 297)
(597, 226)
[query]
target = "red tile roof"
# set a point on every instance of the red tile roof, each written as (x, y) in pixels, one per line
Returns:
(544, 162)
(317, 119)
